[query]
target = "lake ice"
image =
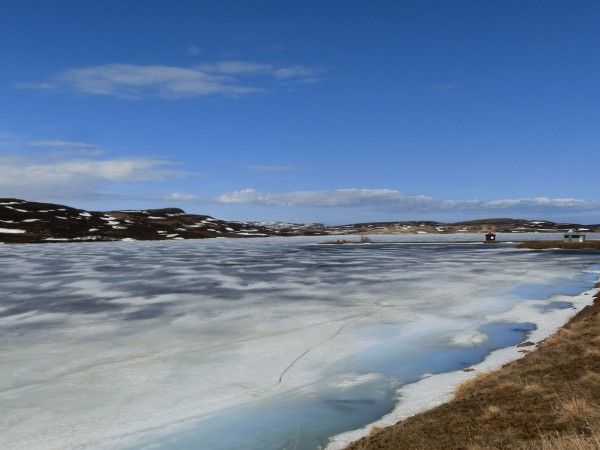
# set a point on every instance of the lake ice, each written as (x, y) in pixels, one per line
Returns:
(264, 343)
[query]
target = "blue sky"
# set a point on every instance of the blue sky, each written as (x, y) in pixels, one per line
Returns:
(304, 111)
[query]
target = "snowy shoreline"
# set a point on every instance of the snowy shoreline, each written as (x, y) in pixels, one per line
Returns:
(434, 390)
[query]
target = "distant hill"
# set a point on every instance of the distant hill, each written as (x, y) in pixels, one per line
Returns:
(23, 221)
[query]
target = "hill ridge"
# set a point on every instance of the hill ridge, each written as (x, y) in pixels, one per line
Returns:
(23, 221)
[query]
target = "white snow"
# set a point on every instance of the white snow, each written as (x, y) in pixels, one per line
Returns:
(85, 214)
(11, 230)
(16, 209)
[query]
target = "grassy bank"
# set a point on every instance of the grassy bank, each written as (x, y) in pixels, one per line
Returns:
(550, 399)
(560, 244)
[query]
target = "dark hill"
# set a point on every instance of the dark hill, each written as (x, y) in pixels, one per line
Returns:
(22, 221)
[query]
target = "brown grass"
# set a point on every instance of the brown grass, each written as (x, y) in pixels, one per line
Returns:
(548, 400)
(539, 245)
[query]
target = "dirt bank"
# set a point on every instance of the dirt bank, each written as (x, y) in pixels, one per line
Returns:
(560, 244)
(550, 399)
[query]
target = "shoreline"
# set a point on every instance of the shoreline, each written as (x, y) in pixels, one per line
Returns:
(540, 245)
(436, 391)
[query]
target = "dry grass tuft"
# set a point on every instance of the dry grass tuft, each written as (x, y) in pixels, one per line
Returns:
(576, 412)
(592, 378)
(591, 353)
(533, 388)
(491, 413)
(465, 387)
(556, 441)
(374, 430)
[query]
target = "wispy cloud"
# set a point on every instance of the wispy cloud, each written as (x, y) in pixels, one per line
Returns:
(178, 196)
(68, 148)
(274, 168)
(193, 50)
(137, 81)
(394, 201)
(337, 198)
(541, 203)
(79, 178)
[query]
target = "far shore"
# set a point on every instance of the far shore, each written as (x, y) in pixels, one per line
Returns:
(549, 399)
(560, 244)
(534, 245)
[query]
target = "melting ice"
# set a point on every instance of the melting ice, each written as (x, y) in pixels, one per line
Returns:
(254, 344)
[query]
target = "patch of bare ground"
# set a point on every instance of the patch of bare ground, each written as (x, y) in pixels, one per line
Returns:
(540, 245)
(548, 400)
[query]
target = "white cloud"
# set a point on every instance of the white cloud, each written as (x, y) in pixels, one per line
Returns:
(136, 81)
(339, 198)
(541, 202)
(394, 201)
(78, 178)
(237, 67)
(178, 196)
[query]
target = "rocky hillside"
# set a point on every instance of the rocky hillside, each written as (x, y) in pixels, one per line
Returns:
(23, 221)
(502, 225)
(30, 222)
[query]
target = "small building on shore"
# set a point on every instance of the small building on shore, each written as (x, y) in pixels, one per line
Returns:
(573, 236)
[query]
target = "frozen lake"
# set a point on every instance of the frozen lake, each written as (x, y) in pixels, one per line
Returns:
(263, 344)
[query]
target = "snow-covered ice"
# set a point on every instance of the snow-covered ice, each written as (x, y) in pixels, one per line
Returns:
(266, 343)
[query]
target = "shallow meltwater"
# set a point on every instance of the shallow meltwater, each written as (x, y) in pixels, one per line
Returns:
(265, 343)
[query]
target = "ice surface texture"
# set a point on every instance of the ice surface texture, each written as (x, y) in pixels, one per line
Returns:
(284, 341)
